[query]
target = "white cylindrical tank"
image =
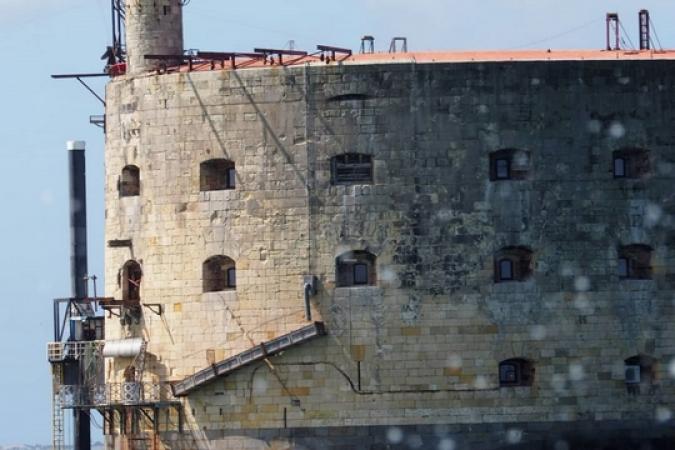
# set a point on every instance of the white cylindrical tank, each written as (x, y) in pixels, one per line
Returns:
(153, 27)
(124, 348)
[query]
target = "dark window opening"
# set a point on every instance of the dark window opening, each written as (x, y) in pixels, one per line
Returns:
(167, 10)
(349, 97)
(635, 262)
(217, 175)
(131, 281)
(639, 374)
(356, 268)
(631, 163)
(232, 278)
(130, 182)
(352, 168)
(619, 167)
(509, 164)
(360, 273)
(516, 372)
(503, 169)
(505, 270)
(513, 264)
(219, 274)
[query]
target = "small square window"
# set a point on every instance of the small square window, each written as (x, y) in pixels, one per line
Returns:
(619, 168)
(360, 274)
(503, 169)
(231, 278)
(508, 374)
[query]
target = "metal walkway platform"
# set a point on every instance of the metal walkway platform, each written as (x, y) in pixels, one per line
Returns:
(258, 353)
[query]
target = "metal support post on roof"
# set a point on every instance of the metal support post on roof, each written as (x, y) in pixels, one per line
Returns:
(393, 48)
(645, 43)
(613, 24)
(367, 44)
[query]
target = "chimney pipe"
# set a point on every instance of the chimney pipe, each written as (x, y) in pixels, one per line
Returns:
(645, 43)
(78, 271)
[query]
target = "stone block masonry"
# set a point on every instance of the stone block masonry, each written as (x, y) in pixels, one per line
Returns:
(418, 350)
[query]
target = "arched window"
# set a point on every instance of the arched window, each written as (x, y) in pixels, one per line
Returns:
(217, 175)
(352, 168)
(630, 163)
(356, 268)
(635, 262)
(219, 274)
(509, 164)
(513, 264)
(640, 372)
(131, 281)
(130, 182)
(516, 372)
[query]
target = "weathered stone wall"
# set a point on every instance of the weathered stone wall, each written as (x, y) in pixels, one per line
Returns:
(153, 27)
(423, 346)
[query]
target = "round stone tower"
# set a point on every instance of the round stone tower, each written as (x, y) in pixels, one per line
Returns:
(154, 27)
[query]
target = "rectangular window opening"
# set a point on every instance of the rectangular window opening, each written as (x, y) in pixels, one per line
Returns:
(360, 273)
(231, 179)
(503, 169)
(231, 278)
(619, 168)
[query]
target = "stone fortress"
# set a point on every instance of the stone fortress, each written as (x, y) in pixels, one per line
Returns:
(383, 251)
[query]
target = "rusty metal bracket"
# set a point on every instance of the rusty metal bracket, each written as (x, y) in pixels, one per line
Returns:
(151, 306)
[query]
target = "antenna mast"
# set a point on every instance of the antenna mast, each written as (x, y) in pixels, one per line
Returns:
(118, 16)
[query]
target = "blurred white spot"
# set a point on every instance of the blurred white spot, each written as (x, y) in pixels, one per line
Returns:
(561, 445)
(582, 303)
(538, 332)
(535, 82)
(663, 414)
(514, 436)
(415, 441)
(594, 126)
(582, 284)
(455, 361)
(444, 215)
(653, 213)
(624, 80)
(394, 435)
(259, 385)
(671, 368)
(559, 383)
(47, 197)
(446, 444)
(483, 109)
(441, 430)
(386, 274)
(616, 130)
(481, 382)
(577, 372)
(566, 269)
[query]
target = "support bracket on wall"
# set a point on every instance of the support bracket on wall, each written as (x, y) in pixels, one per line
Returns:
(156, 308)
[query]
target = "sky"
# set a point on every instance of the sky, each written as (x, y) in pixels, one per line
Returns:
(38, 115)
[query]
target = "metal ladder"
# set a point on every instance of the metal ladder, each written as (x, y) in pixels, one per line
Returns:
(58, 438)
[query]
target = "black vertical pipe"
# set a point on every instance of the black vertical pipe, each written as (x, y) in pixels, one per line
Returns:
(78, 271)
(114, 30)
(78, 218)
